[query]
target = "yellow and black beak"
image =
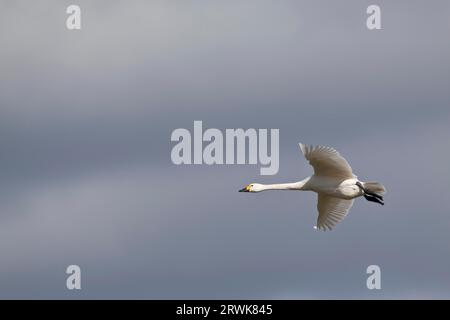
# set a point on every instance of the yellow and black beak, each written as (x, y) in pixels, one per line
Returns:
(246, 189)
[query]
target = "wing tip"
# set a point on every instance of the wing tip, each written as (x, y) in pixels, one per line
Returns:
(322, 228)
(302, 147)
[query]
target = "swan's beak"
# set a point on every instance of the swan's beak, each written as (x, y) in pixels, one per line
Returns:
(246, 189)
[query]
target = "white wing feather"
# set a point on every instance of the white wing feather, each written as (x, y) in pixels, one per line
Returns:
(327, 162)
(331, 211)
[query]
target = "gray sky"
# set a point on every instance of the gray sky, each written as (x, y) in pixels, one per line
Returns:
(85, 170)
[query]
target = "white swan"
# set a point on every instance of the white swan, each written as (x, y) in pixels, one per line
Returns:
(334, 183)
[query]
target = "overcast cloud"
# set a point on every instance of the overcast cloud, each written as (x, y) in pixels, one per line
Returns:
(85, 170)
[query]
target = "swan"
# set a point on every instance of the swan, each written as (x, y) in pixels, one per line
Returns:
(334, 183)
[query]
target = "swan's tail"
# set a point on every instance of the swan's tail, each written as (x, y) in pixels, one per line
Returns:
(374, 187)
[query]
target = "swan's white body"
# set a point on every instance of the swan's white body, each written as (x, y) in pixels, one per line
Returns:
(332, 180)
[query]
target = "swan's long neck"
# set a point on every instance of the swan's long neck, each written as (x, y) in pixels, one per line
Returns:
(300, 185)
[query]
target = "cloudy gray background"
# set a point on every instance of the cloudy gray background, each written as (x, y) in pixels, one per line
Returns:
(85, 170)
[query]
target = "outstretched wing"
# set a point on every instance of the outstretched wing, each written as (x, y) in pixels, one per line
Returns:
(327, 162)
(331, 211)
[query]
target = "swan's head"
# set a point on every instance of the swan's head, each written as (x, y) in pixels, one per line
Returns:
(252, 187)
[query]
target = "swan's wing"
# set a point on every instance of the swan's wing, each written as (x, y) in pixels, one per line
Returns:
(331, 211)
(327, 162)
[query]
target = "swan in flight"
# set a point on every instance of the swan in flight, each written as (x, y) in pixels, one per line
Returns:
(334, 183)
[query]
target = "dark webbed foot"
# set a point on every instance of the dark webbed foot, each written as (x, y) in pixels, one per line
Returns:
(373, 199)
(371, 196)
(375, 195)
